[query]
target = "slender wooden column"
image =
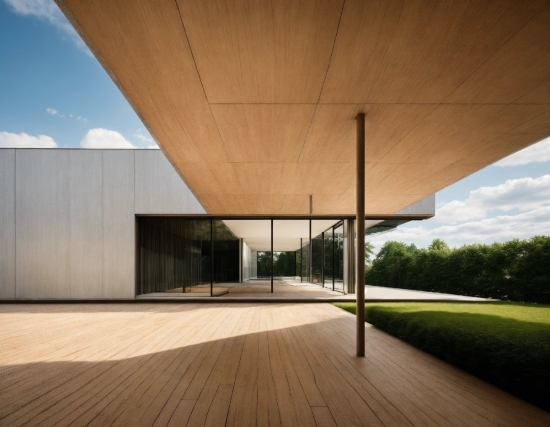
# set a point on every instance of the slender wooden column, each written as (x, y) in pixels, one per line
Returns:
(310, 256)
(241, 272)
(272, 255)
(323, 259)
(211, 257)
(360, 230)
(301, 260)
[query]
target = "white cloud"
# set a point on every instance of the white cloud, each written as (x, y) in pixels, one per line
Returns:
(47, 10)
(153, 147)
(104, 138)
(54, 112)
(523, 194)
(473, 220)
(536, 153)
(142, 138)
(488, 230)
(145, 139)
(23, 140)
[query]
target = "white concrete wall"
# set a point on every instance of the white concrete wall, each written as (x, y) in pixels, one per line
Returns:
(253, 264)
(159, 188)
(67, 219)
(7, 223)
(247, 262)
(425, 206)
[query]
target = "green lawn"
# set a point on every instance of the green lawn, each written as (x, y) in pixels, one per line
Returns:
(504, 343)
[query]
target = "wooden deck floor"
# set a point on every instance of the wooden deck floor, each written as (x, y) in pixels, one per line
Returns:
(228, 365)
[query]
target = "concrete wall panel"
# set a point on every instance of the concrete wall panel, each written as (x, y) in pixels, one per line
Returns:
(425, 206)
(253, 264)
(67, 219)
(247, 262)
(160, 189)
(119, 238)
(86, 227)
(43, 224)
(7, 223)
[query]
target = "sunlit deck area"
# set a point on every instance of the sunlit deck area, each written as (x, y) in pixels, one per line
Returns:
(228, 364)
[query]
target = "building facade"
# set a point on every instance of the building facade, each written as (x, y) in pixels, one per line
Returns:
(114, 224)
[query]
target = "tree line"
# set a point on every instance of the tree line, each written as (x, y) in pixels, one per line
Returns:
(517, 270)
(284, 264)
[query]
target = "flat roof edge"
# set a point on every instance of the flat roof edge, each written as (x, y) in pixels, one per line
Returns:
(295, 217)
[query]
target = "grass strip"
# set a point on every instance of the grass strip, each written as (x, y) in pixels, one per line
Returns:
(506, 344)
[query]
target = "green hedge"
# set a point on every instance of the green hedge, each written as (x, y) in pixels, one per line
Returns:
(506, 344)
(515, 270)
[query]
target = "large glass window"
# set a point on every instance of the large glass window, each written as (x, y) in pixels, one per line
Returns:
(339, 257)
(317, 259)
(328, 257)
(288, 237)
(304, 256)
(175, 254)
(226, 254)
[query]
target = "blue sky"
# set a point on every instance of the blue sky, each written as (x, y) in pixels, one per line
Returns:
(45, 66)
(54, 93)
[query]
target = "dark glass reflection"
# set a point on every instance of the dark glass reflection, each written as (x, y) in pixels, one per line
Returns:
(328, 258)
(264, 265)
(226, 254)
(284, 264)
(317, 261)
(175, 254)
(339, 257)
(304, 265)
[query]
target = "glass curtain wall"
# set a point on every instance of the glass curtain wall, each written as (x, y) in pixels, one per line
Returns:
(304, 264)
(328, 258)
(317, 259)
(339, 257)
(264, 264)
(175, 254)
(288, 236)
(226, 253)
(284, 264)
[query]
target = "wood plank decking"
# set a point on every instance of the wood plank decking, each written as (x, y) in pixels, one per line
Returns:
(228, 365)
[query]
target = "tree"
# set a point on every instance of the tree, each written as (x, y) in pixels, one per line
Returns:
(392, 249)
(369, 251)
(439, 245)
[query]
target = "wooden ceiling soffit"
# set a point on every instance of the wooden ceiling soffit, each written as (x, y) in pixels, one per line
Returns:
(261, 52)
(450, 128)
(265, 133)
(254, 102)
(443, 178)
(499, 148)
(143, 46)
(420, 52)
(517, 68)
(331, 138)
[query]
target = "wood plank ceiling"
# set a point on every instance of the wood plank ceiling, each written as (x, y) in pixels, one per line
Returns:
(254, 101)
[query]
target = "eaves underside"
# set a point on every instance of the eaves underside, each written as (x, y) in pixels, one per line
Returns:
(253, 102)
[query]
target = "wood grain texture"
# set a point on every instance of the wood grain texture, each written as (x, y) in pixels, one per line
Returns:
(253, 132)
(422, 51)
(261, 52)
(254, 101)
(228, 364)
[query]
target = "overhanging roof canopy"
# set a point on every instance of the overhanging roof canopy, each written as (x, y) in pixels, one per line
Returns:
(253, 101)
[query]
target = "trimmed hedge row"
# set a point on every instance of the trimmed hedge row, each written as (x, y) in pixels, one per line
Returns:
(505, 344)
(515, 270)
